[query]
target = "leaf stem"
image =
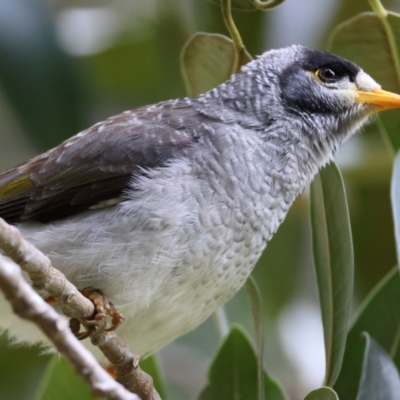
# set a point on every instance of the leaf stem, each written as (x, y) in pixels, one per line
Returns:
(221, 323)
(256, 305)
(233, 33)
(377, 8)
(386, 137)
(266, 5)
(383, 14)
(395, 344)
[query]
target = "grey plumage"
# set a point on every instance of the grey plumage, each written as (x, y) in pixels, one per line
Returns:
(167, 208)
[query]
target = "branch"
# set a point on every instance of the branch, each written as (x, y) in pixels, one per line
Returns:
(75, 305)
(29, 305)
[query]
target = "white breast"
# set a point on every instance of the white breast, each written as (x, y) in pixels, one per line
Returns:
(180, 247)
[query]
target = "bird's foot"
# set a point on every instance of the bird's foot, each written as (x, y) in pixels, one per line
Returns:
(103, 308)
(110, 369)
(51, 300)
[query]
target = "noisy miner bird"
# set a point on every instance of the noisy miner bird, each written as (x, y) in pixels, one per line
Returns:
(167, 208)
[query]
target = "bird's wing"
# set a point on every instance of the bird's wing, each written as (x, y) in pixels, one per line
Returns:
(95, 165)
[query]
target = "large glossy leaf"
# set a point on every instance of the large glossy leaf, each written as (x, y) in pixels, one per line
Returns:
(151, 366)
(373, 43)
(380, 378)
(22, 370)
(323, 393)
(379, 315)
(233, 373)
(395, 197)
(333, 259)
(38, 79)
(207, 60)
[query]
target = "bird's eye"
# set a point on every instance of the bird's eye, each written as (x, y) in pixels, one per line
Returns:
(328, 75)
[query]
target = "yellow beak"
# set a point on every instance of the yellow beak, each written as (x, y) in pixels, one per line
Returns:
(380, 98)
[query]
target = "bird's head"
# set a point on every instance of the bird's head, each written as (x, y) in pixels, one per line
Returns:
(326, 97)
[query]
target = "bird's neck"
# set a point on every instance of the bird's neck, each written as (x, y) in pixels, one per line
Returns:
(298, 154)
(241, 100)
(283, 150)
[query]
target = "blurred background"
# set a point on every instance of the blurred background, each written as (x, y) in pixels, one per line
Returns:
(67, 64)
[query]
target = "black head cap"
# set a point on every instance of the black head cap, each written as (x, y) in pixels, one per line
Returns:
(298, 94)
(316, 59)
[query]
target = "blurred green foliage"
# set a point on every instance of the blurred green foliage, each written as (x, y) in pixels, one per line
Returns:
(22, 371)
(54, 89)
(39, 80)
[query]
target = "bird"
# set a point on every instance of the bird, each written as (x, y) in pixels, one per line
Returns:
(167, 208)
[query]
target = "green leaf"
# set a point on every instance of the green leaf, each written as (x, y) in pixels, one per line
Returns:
(256, 305)
(380, 379)
(395, 197)
(63, 383)
(151, 365)
(233, 373)
(207, 60)
(333, 259)
(379, 315)
(372, 43)
(323, 393)
(23, 370)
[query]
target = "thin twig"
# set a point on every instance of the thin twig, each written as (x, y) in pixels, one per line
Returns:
(43, 275)
(221, 323)
(29, 305)
(75, 305)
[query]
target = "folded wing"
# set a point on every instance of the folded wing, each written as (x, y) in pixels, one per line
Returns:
(93, 168)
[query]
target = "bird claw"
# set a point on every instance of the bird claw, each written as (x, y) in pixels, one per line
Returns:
(103, 308)
(51, 300)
